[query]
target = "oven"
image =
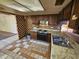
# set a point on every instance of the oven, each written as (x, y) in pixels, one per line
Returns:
(42, 35)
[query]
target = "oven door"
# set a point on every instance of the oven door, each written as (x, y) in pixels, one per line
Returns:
(42, 36)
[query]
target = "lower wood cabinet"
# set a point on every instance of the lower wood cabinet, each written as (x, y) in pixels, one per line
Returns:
(49, 37)
(33, 35)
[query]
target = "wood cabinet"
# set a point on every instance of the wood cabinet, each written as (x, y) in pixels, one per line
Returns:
(49, 37)
(35, 21)
(33, 35)
(52, 19)
(67, 11)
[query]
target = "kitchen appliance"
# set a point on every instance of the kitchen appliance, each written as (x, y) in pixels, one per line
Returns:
(42, 35)
(61, 41)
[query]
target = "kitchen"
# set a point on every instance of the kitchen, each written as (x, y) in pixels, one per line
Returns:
(51, 27)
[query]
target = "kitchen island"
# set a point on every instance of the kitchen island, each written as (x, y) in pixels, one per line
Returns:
(48, 30)
(61, 52)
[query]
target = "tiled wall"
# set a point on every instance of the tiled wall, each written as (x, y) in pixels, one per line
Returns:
(21, 26)
(28, 23)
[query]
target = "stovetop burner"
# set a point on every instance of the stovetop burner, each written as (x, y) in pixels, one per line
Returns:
(58, 40)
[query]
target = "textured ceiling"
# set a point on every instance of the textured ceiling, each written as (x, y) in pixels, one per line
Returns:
(48, 5)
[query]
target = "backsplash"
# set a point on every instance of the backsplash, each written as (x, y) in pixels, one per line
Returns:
(21, 26)
(28, 23)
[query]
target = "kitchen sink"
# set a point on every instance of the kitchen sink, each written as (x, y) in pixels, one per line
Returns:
(61, 41)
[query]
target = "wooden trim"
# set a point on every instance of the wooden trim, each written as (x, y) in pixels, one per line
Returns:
(73, 6)
(7, 13)
(65, 7)
(59, 2)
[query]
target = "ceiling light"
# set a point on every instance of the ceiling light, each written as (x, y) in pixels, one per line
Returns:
(74, 17)
(16, 6)
(34, 5)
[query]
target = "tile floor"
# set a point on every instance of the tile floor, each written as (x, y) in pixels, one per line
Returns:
(29, 49)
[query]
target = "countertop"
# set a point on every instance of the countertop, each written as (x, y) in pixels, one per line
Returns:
(74, 36)
(59, 52)
(4, 35)
(48, 30)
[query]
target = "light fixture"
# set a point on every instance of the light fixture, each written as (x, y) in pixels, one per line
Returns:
(33, 5)
(74, 17)
(16, 6)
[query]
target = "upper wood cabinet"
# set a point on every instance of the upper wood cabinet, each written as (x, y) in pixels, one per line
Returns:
(67, 11)
(35, 20)
(52, 19)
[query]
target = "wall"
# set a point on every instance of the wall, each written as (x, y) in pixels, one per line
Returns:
(75, 11)
(8, 23)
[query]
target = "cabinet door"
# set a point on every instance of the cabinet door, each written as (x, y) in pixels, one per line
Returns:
(34, 35)
(35, 20)
(52, 20)
(49, 37)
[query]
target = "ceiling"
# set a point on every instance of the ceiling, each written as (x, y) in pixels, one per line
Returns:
(32, 7)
